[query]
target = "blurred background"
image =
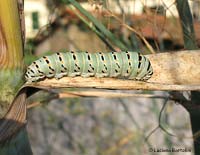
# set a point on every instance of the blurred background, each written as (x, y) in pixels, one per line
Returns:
(106, 126)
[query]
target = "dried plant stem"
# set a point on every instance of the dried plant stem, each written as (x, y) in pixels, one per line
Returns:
(72, 94)
(133, 30)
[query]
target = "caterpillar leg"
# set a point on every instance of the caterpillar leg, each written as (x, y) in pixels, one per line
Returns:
(34, 79)
(74, 74)
(86, 75)
(60, 75)
(101, 75)
(115, 75)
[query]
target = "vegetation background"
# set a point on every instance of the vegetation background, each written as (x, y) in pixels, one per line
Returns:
(111, 126)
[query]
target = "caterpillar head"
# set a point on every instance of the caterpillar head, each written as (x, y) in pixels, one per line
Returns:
(32, 74)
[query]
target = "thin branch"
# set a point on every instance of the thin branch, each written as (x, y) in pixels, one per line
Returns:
(73, 94)
(153, 131)
(103, 93)
(160, 120)
(133, 30)
(160, 125)
(127, 111)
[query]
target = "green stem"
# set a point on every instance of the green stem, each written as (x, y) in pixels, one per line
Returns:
(11, 73)
(101, 36)
(99, 26)
(190, 44)
(187, 24)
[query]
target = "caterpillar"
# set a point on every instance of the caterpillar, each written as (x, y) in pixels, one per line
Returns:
(127, 65)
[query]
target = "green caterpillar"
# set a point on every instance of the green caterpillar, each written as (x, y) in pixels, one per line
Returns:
(127, 65)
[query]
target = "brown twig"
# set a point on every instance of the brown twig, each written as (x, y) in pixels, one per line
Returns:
(131, 29)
